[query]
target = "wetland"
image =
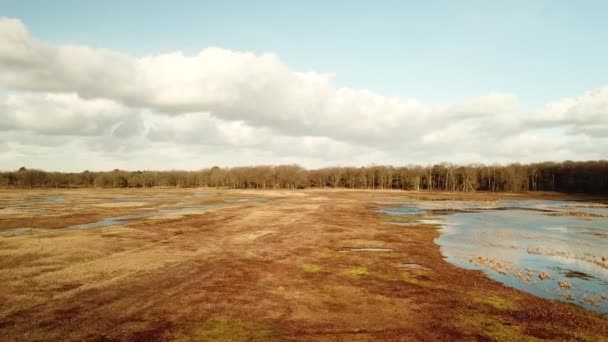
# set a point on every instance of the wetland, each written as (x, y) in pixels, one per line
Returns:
(177, 264)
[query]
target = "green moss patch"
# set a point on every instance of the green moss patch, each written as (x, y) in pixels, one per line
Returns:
(479, 324)
(496, 302)
(356, 272)
(310, 268)
(227, 329)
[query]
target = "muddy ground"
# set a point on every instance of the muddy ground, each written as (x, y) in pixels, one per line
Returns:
(263, 265)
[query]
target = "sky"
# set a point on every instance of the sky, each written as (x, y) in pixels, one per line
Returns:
(191, 84)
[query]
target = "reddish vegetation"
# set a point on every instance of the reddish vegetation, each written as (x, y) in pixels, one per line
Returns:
(263, 271)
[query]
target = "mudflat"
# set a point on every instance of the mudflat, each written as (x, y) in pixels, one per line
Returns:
(207, 264)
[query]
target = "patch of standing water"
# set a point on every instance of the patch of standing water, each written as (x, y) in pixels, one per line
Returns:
(108, 221)
(515, 245)
(405, 210)
(24, 206)
(411, 265)
(54, 198)
(430, 221)
(403, 224)
(16, 231)
(559, 206)
(141, 199)
(32, 202)
(244, 200)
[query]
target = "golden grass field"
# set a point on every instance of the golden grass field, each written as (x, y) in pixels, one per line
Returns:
(250, 266)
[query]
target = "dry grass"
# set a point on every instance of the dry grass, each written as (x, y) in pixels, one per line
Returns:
(247, 271)
(122, 205)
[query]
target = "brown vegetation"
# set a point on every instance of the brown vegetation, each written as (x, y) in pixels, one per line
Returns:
(259, 271)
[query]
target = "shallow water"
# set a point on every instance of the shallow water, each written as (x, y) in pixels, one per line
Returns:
(24, 206)
(141, 199)
(110, 221)
(105, 222)
(403, 224)
(514, 241)
(245, 200)
(411, 265)
(54, 198)
(17, 231)
(405, 210)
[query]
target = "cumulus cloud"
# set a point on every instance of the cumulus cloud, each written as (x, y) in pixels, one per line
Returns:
(585, 114)
(204, 129)
(61, 114)
(257, 108)
(256, 89)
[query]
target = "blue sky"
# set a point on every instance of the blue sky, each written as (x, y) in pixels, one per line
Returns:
(435, 51)
(189, 84)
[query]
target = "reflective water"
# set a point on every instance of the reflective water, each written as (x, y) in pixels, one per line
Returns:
(405, 210)
(54, 198)
(108, 221)
(516, 241)
(245, 200)
(17, 231)
(35, 203)
(141, 199)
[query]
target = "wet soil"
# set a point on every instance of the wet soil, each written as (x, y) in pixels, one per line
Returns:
(258, 271)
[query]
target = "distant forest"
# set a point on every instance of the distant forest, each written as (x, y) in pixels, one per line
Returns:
(571, 177)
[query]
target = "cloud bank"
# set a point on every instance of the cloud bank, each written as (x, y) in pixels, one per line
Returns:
(77, 107)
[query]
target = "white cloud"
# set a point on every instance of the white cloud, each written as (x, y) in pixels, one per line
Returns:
(586, 114)
(256, 89)
(61, 114)
(120, 107)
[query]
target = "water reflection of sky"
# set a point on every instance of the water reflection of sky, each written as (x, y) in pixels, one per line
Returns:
(109, 221)
(524, 242)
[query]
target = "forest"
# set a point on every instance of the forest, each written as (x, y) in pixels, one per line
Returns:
(589, 177)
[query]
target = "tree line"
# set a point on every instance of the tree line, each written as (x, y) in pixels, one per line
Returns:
(571, 177)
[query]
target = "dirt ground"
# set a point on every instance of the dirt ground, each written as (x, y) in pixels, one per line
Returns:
(250, 266)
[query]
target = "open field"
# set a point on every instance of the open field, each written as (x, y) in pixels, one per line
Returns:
(191, 264)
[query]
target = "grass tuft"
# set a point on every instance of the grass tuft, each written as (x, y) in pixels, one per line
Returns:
(491, 327)
(310, 268)
(356, 272)
(227, 329)
(496, 302)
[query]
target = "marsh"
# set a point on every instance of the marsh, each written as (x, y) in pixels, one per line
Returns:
(283, 265)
